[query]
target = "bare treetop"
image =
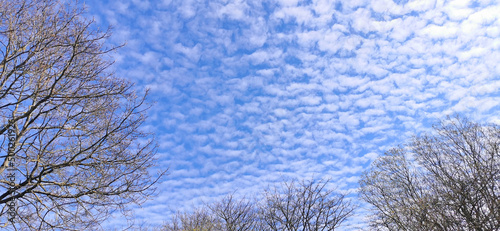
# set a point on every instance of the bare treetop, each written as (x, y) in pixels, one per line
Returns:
(448, 180)
(289, 206)
(78, 152)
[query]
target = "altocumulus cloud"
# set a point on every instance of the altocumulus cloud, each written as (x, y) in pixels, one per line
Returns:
(251, 91)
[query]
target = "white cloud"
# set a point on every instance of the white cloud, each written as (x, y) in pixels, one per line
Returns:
(248, 94)
(299, 14)
(193, 53)
(420, 5)
(234, 10)
(448, 30)
(386, 7)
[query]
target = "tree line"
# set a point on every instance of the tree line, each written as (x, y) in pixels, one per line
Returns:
(72, 150)
(291, 205)
(447, 180)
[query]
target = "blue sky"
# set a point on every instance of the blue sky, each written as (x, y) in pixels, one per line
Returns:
(251, 91)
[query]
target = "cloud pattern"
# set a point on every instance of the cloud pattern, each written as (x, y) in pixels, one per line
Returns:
(251, 91)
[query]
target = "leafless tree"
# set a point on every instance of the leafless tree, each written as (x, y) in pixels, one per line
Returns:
(449, 180)
(236, 215)
(201, 219)
(227, 214)
(397, 190)
(292, 205)
(72, 150)
(306, 205)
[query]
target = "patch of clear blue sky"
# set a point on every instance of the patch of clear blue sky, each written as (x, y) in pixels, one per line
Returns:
(250, 91)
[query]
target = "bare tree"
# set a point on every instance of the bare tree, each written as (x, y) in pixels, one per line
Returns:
(72, 149)
(236, 215)
(306, 205)
(396, 188)
(449, 180)
(200, 220)
(227, 214)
